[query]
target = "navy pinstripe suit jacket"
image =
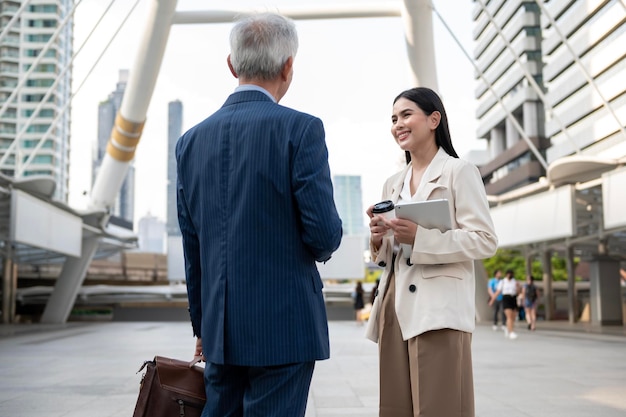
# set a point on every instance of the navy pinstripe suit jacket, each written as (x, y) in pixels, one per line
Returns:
(256, 210)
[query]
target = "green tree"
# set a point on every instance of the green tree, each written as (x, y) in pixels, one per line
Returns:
(505, 259)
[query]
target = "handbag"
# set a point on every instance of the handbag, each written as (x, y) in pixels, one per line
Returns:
(171, 388)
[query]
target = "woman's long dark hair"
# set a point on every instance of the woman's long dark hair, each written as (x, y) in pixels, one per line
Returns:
(428, 101)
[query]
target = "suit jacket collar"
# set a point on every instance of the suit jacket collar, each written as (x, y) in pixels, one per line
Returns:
(246, 96)
(431, 175)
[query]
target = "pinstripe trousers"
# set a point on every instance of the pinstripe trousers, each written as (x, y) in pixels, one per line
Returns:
(251, 391)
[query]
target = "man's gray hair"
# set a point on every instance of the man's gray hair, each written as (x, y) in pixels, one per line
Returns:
(261, 44)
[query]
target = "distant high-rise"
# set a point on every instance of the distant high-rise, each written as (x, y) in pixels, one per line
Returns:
(32, 99)
(107, 110)
(174, 130)
(151, 234)
(349, 201)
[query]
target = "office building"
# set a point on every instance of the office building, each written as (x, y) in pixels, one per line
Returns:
(507, 52)
(558, 69)
(585, 74)
(568, 58)
(349, 201)
(124, 208)
(174, 130)
(35, 89)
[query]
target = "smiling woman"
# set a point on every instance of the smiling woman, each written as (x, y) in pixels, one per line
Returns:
(425, 299)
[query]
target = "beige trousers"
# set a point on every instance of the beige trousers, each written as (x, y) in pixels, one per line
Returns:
(429, 375)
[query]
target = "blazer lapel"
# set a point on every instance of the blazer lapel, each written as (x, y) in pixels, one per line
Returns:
(397, 185)
(432, 174)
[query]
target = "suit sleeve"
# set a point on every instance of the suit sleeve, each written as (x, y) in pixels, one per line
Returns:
(191, 250)
(313, 191)
(475, 236)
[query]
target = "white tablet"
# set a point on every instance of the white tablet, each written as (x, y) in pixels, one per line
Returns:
(431, 214)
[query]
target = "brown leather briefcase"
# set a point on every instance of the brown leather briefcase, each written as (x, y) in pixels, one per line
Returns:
(170, 388)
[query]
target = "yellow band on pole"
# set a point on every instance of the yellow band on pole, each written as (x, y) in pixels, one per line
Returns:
(128, 126)
(119, 154)
(125, 134)
(124, 140)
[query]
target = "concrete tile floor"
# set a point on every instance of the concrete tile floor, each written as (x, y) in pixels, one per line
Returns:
(89, 369)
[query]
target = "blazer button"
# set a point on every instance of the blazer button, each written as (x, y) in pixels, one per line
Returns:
(376, 293)
(408, 262)
(412, 288)
(382, 264)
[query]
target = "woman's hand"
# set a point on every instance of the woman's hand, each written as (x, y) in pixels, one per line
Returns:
(404, 231)
(378, 227)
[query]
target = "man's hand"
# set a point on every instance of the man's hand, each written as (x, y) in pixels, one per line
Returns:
(198, 351)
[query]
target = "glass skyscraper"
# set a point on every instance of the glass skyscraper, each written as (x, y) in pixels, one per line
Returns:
(349, 201)
(35, 89)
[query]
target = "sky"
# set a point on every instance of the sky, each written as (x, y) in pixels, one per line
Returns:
(347, 72)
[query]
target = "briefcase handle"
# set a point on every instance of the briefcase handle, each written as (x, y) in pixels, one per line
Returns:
(194, 361)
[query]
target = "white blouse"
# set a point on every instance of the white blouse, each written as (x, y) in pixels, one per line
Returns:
(508, 286)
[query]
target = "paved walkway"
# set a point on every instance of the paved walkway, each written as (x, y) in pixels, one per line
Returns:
(88, 369)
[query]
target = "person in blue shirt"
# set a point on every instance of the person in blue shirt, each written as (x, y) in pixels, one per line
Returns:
(497, 305)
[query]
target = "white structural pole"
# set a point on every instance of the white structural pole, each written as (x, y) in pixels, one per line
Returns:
(417, 16)
(313, 12)
(120, 151)
(59, 306)
(418, 25)
(132, 114)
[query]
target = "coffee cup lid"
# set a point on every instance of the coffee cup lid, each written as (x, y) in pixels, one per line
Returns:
(383, 207)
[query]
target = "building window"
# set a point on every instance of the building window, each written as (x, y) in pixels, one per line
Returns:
(42, 113)
(41, 159)
(38, 128)
(37, 37)
(39, 83)
(42, 8)
(42, 23)
(50, 53)
(533, 55)
(38, 172)
(531, 7)
(7, 128)
(532, 31)
(32, 98)
(29, 144)
(48, 68)
(8, 68)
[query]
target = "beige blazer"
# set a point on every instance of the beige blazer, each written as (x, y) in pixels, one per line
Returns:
(437, 290)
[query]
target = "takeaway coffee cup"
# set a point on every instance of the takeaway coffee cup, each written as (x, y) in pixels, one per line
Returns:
(386, 208)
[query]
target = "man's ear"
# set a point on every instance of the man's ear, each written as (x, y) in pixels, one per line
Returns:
(287, 68)
(230, 67)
